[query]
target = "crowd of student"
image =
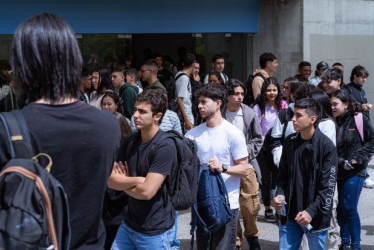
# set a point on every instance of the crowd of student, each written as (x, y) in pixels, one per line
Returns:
(297, 143)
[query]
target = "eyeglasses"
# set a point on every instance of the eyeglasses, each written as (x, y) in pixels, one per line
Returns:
(285, 87)
(144, 70)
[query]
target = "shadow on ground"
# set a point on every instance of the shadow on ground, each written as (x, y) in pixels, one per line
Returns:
(266, 245)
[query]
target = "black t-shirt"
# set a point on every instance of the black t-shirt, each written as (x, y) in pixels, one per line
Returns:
(156, 215)
(299, 201)
(82, 142)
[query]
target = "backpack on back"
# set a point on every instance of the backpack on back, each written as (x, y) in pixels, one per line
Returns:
(182, 183)
(248, 98)
(171, 89)
(33, 205)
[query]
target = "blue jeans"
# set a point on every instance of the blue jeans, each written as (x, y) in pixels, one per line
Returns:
(128, 239)
(349, 192)
(291, 234)
(223, 239)
(176, 243)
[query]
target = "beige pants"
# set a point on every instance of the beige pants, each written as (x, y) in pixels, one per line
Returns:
(249, 207)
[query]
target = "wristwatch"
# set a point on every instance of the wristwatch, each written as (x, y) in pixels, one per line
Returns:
(224, 168)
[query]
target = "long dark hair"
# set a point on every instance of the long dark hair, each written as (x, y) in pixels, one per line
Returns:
(323, 99)
(217, 74)
(46, 58)
(123, 125)
(261, 98)
(353, 106)
(115, 99)
(105, 82)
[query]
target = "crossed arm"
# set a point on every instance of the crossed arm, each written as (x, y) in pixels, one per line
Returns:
(141, 188)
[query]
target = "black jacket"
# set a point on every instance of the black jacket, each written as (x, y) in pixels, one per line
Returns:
(323, 157)
(350, 145)
(358, 94)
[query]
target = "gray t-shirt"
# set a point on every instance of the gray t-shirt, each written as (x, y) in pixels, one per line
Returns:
(236, 118)
(183, 89)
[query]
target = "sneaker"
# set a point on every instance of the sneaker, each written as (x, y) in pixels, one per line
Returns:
(369, 183)
(344, 246)
(269, 214)
(254, 243)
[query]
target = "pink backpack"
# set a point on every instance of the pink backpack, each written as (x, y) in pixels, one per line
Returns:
(359, 121)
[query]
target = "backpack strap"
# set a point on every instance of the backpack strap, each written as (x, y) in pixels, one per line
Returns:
(359, 121)
(181, 74)
(260, 75)
(18, 134)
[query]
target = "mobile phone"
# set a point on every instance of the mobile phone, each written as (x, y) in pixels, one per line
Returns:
(349, 165)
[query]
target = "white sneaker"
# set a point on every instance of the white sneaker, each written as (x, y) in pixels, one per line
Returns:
(369, 183)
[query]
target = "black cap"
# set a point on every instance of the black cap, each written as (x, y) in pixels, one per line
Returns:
(322, 65)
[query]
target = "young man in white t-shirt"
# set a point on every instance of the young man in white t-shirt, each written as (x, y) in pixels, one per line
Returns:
(222, 146)
(184, 91)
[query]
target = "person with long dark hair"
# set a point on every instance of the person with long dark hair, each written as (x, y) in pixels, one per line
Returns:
(101, 83)
(215, 77)
(81, 140)
(289, 87)
(355, 147)
(268, 105)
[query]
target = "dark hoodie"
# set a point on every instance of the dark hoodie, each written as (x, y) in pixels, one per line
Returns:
(128, 94)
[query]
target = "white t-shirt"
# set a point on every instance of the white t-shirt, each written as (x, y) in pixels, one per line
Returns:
(183, 89)
(226, 143)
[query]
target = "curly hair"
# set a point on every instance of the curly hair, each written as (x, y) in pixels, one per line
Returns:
(261, 100)
(215, 92)
(157, 99)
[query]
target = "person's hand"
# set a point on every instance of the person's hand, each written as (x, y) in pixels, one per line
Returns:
(120, 168)
(215, 165)
(278, 202)
(12, 84)
(188, 125)
(366, 106)
(196, 78)
(346, 167)
(303, 219)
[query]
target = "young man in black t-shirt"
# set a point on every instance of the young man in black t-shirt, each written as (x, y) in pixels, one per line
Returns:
(141, 172)
(307, 179)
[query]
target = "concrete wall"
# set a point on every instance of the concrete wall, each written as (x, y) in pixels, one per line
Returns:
(280, 32)
(341, 31)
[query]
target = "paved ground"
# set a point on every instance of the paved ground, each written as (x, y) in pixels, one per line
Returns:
(269, 231)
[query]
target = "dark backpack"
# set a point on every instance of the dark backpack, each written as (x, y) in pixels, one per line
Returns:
(33, 205)
(182, 183)
(248, 98)
(212, 210)
(171, 89)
